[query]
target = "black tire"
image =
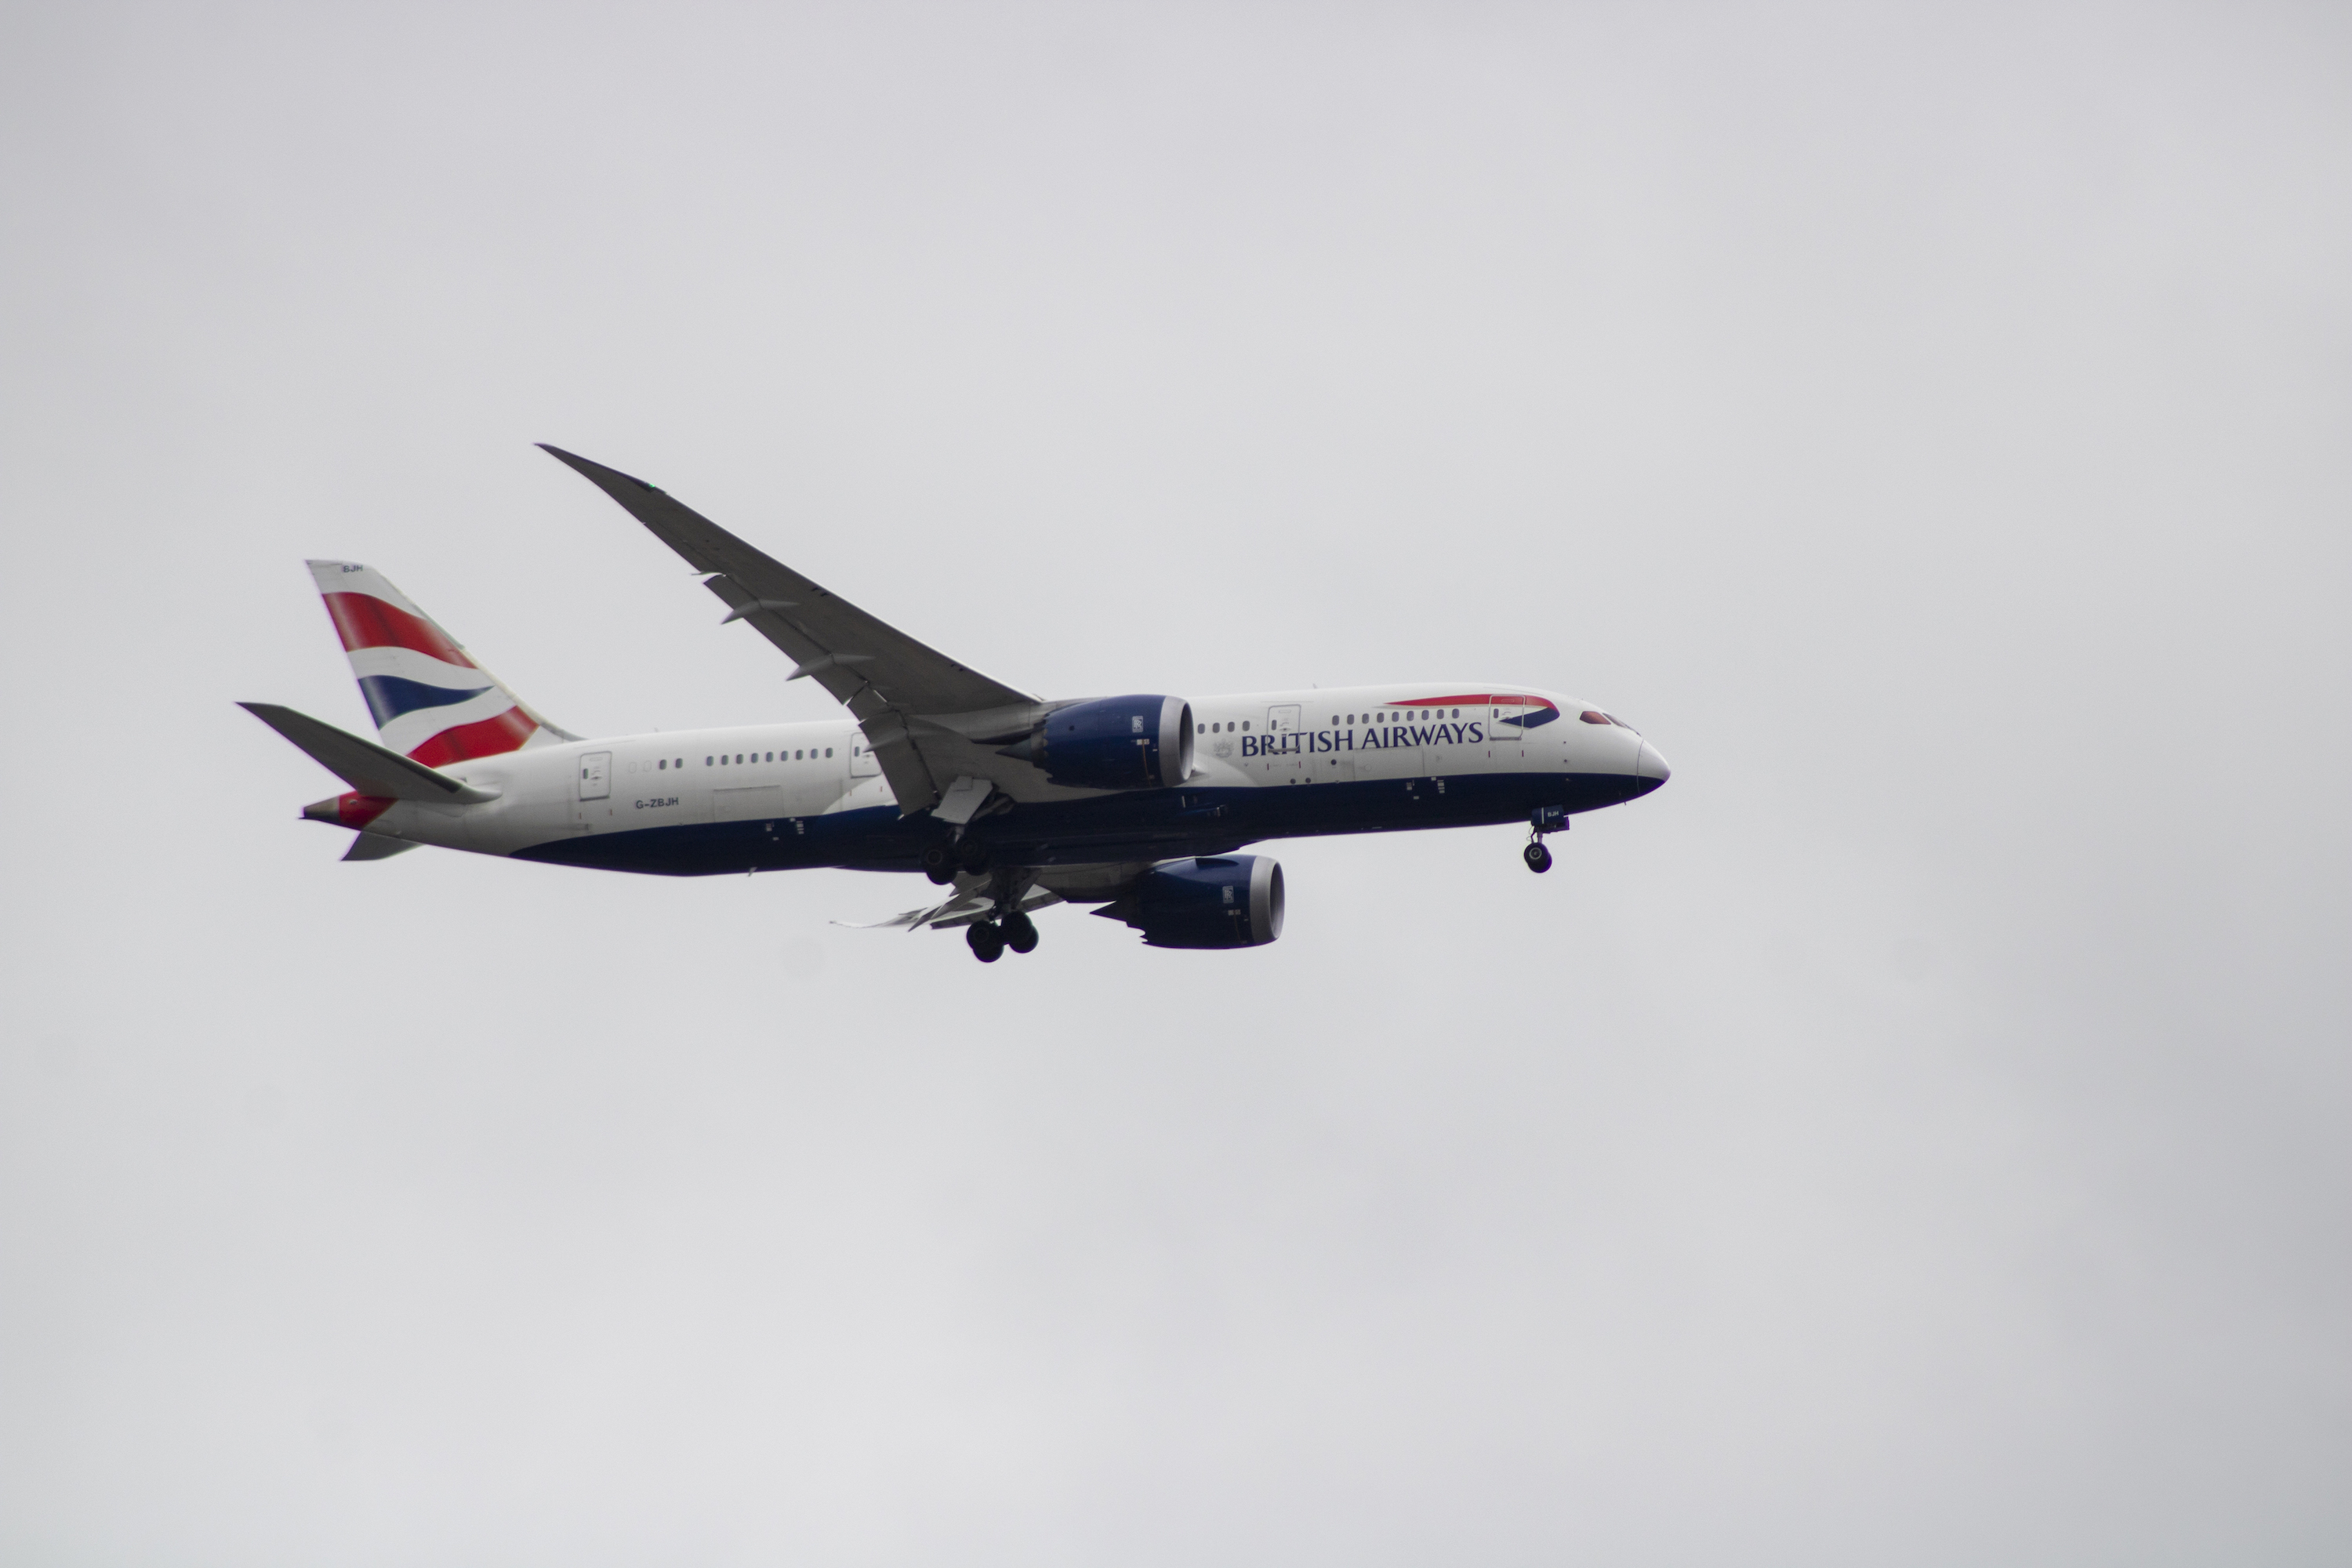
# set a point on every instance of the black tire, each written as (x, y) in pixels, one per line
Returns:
(987, 943)
(941, 876)
(1020, 932)
(939, 862)
(973, 856)
(1538, 858)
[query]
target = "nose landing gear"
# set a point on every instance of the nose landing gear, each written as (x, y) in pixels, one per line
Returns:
(1542, 820)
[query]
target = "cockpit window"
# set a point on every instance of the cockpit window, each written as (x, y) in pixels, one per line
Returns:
(1593, 716)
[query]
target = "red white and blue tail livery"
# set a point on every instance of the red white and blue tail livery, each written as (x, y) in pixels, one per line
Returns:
(429, 698)
(1139, 804)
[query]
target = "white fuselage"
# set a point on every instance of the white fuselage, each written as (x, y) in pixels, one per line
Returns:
(790, 773)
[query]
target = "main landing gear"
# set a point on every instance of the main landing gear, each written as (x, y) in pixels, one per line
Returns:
(1542, 820)
(943, 861)
(989, 939)
(1020, 931)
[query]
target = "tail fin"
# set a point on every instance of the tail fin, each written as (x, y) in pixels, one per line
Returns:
(431, 702)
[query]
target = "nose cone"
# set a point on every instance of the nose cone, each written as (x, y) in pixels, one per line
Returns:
(1651, 765)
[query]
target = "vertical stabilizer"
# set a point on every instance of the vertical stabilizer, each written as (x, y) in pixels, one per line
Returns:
(431, 702)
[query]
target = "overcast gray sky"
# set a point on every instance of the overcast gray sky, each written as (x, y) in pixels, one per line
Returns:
(1918, 1135)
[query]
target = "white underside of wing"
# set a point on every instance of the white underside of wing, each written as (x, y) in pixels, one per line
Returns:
(967, 905)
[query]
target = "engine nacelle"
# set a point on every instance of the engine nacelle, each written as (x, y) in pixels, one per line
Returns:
(1114, 742)
(1212, 900)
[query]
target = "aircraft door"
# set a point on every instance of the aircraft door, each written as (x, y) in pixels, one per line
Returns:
(1506, 740)
(1285, 765)
(862, 762)
(593, 801)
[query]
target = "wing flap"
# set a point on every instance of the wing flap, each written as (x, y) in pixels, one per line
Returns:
(968, 905)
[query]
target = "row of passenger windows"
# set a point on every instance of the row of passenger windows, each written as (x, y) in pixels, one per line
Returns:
(807, 753)
(810, 755)
(1220, 728)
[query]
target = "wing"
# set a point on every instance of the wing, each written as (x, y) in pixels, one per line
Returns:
(904, 693)
(971, 901)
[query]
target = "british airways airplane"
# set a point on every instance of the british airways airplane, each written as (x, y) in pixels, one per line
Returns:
(1137, 804)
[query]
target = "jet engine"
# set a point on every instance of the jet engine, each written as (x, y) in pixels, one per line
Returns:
(1211, 901)
(1113, 742)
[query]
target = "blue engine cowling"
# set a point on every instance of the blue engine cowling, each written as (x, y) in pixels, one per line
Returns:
(1114, 742)
(1212, 900)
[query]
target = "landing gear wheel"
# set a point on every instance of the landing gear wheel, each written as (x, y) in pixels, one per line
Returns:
(1020, 932)
(973, 856)
(1538, 858)
(941, 876)
(939, 864)
(987, 941)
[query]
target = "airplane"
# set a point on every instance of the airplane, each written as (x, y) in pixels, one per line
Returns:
(1139, 804)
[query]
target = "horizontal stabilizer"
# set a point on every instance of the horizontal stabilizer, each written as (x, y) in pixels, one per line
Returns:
(376, 846)
(366, 766)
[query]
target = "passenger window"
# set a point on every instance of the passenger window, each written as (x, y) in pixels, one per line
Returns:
(662, 765)
(706, 761)
(828, 750)
(1244, 723)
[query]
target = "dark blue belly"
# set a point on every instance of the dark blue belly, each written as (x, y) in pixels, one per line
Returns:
(1141, 824)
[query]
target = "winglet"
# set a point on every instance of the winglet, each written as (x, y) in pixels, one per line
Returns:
(672, 522)
(596, 472)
